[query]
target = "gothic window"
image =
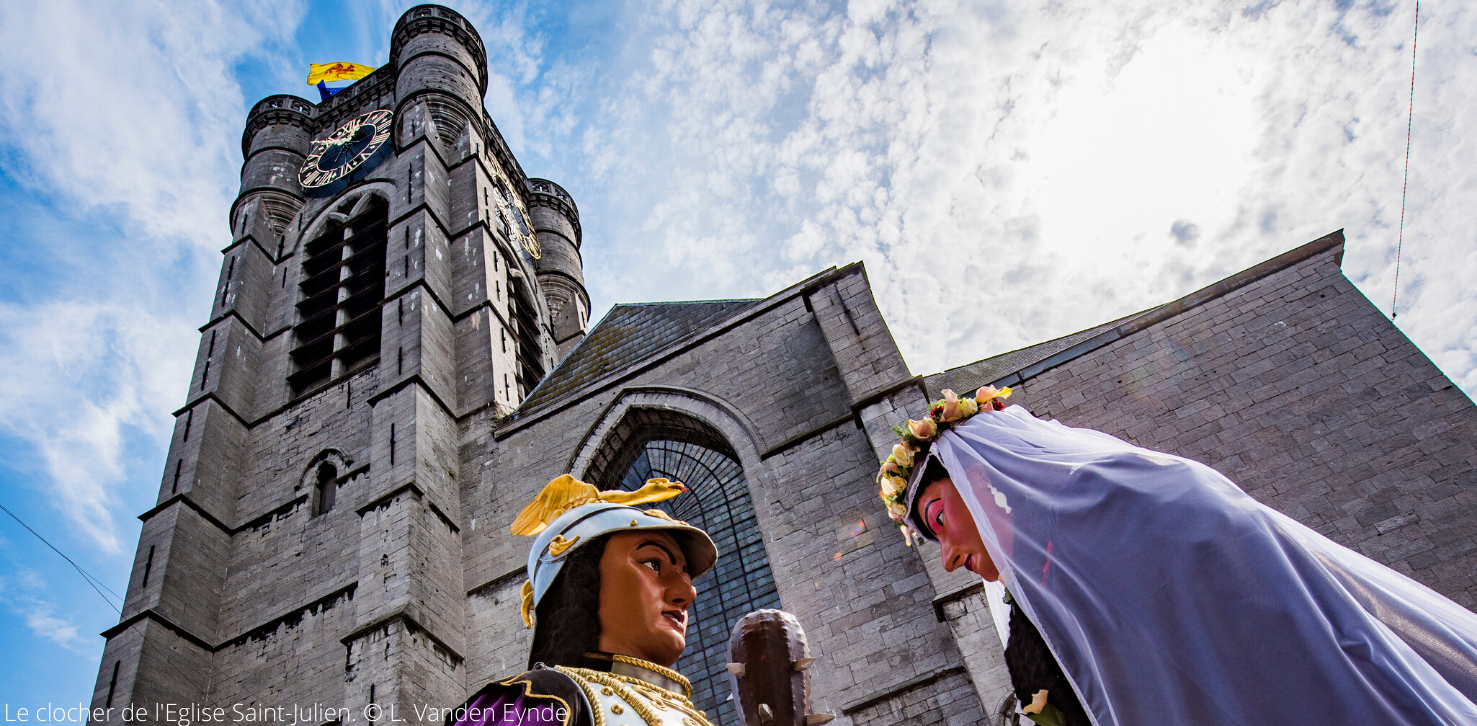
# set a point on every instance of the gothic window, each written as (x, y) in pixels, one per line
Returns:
(338, 329)
(658, 444)
(325, 489)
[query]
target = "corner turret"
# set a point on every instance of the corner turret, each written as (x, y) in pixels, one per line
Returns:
(278, 135)
(561, 275)
(441, 76)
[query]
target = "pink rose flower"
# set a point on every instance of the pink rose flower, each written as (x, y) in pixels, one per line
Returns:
(893, 485)
(951, 407)
(923, 430)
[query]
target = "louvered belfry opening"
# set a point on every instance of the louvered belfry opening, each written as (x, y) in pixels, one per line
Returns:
(526, 331)
(343, 287)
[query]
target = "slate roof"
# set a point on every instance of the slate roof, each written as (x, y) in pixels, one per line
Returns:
(629, 334)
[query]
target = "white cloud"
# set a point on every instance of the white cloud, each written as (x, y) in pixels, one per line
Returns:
(1012, 172)
(132, 104)
(76, 374)
(21, 596)
(124, 118)
(1009, 172)
(515, 55)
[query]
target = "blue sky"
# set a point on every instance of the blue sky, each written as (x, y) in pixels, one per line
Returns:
(1009, 172)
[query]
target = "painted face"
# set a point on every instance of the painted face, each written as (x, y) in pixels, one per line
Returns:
(645, 592)
(950, 521)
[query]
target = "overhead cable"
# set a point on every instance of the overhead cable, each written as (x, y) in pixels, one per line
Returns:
(93, 581)
(1405, 183)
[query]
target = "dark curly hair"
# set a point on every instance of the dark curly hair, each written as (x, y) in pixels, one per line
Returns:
(1032, 668)
(568, 624)
(933, 471)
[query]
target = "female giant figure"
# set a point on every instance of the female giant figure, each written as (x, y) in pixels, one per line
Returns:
(1165, 593)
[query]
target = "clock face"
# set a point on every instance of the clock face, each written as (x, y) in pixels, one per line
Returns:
(517, 220)
(354, 143)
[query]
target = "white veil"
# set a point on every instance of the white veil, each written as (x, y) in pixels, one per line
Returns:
(1169, 596)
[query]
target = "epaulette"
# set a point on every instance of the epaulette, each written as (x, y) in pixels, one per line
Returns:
(539, 697)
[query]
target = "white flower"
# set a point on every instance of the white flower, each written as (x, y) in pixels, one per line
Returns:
(893, 485)
(903, 455)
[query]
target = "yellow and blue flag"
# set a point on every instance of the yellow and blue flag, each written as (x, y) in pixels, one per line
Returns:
(319, 74)
(336, 72)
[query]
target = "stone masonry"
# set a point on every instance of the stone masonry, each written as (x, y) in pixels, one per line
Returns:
(306, 547)
(342, 544)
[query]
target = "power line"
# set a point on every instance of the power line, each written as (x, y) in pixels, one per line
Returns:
(93, 581)
(1405, 184)
(187, 677)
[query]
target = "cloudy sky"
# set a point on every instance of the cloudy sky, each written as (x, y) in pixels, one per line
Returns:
(1008, 171)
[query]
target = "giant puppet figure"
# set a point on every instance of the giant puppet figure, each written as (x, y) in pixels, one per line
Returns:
(1155, 591)
(608, 587)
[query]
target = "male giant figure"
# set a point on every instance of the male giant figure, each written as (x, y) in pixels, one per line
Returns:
(609, 586)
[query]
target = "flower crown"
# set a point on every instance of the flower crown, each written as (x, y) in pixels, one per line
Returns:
(916, 435)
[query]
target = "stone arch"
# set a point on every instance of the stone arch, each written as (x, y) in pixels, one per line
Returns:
(312, 474)
(336, 330)
(640, 425)
(716, 415)
(687, 436)
(346, 205)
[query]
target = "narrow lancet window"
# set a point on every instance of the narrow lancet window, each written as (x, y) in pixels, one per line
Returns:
(327, 489)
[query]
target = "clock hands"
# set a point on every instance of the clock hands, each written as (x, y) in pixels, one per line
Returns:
(344, 150)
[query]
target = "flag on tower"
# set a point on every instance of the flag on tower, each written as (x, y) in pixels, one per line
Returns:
(320, 74)
(337, 72)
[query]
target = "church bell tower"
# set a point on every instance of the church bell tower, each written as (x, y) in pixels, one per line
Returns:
(395, 284)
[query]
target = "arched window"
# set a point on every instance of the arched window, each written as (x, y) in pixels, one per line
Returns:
(343, 284)
(650, 444)
(325, 489)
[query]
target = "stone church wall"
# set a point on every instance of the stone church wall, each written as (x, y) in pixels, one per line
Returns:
(771, 382)
(294, 659)
(1295, 387)
(1298, 389)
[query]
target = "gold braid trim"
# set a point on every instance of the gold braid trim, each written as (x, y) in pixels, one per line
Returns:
(528, 691)
(654, 668)
(638, 693)
(589, 692)
(626, 694)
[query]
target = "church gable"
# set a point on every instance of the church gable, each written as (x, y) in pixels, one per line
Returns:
(1289, 381)
(764, 400)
